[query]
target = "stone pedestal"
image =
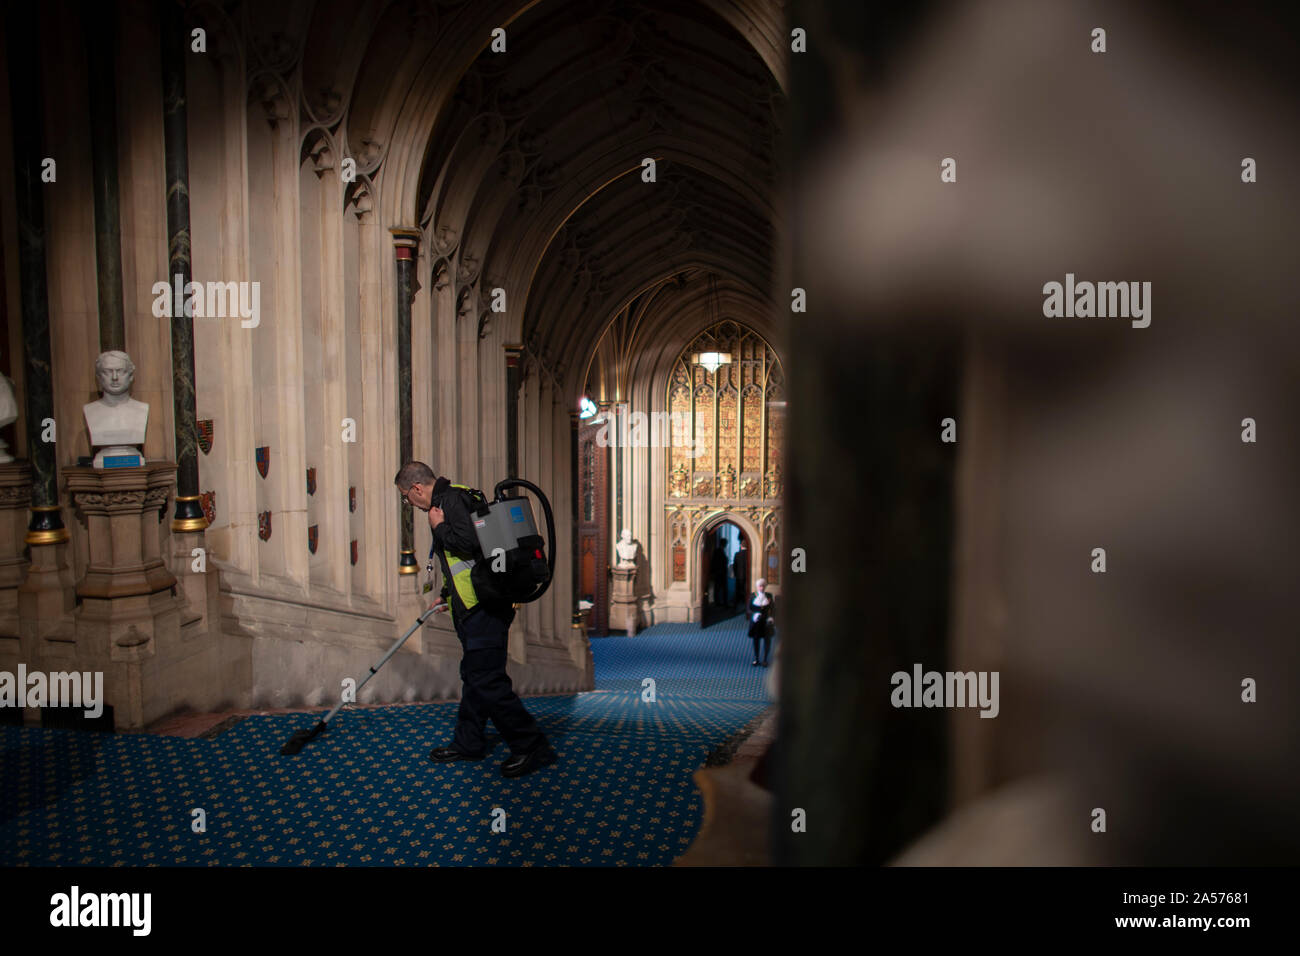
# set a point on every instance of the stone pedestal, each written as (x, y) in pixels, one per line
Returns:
(624, 609)
(15, 497)
(122, 509)
(129, 608)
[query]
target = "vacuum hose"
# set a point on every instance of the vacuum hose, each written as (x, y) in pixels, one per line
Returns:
(507, 483)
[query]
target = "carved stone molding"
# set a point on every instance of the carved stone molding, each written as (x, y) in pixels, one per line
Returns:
(270, 93)
(361, 200)
(441, 276)
(491, 128)
(530, 197)
(510, 166)
(125, 500)
(467, 306)
(467, 269)
(274, 51)
(15, 496)
(320, 154)
(157, 496)
(325, 106)
(445, 239)
(370, 154)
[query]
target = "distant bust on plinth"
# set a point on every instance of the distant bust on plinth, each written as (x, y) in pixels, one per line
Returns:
(117, 421)
(8, 415)
(626, 549)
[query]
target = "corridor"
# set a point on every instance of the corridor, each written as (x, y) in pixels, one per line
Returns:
(365, 793)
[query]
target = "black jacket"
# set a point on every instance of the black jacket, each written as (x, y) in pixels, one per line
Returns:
(740, 566)
(759, 628)
(455, 533)
(718, 563)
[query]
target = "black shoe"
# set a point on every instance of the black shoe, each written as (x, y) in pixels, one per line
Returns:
(764, 662)
(520, 764)
(443, 754)
(754, 662)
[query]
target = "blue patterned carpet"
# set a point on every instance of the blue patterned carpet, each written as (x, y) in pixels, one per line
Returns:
(366, 794)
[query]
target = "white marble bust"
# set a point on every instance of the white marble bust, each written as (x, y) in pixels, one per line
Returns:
(117, 421)
(626, 549)
(8, 415)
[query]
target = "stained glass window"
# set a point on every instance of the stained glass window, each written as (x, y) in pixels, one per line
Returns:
(728, 436)
(727, 423)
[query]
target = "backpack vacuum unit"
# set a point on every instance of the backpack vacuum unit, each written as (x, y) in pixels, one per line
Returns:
(514, 565)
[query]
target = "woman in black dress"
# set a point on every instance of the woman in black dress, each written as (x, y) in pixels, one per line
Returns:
(762, 619)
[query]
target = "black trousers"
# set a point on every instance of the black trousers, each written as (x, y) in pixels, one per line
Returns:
(767, 642)
(486, 692)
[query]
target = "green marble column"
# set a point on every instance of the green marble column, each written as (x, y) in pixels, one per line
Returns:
(175, 43)
(405, 243)
(513, 353)
(23, 31)
(101, 36)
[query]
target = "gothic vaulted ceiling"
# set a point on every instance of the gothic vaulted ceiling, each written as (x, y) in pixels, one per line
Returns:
(539, 161)
(530, 161)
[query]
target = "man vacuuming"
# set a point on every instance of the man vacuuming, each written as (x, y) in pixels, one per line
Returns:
(481, 626)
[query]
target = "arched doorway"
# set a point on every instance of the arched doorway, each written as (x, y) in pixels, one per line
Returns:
(701, 436)
(724, 581)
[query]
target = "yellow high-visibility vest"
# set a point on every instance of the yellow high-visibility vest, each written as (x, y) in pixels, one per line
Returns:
(461, 566)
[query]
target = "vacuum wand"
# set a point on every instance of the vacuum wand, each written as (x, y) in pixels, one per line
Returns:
(303, 737)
